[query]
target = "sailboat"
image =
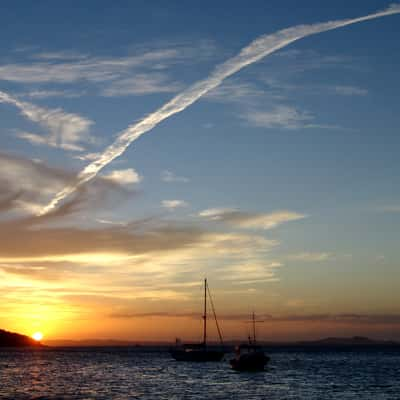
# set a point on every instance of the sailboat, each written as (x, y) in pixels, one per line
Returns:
(200, 352)
(250, 356)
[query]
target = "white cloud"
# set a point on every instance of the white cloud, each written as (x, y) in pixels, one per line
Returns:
(66, 130)
(124, 176)
(169, 176)
(248, 220)
(172, 204)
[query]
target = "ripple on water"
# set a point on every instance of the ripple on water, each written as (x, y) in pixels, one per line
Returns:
(124, 373)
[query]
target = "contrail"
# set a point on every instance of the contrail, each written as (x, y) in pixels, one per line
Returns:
(255, 51)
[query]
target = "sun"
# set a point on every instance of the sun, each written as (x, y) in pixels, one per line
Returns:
(38, 336)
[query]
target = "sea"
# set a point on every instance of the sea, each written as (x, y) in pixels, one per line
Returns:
(143, 373)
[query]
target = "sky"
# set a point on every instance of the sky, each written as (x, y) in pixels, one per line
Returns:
(145, 146)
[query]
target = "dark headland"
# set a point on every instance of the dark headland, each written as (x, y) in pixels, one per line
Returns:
(12, 339)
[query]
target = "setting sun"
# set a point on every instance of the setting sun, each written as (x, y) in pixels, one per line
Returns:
(38, 336)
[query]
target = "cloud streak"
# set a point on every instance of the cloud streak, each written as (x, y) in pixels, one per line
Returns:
(66, 130)
(255, 51)
(173, 204)
(169, 176)
(247, 220)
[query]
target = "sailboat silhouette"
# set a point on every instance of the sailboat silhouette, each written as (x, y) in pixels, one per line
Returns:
(200, 352)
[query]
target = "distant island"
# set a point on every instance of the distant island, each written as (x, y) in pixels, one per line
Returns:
(12, 339)
(352, 341)
(333, 342)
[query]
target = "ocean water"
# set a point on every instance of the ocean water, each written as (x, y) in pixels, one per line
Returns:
(129, 373)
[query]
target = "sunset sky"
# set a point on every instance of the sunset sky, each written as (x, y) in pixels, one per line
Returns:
(278, 178)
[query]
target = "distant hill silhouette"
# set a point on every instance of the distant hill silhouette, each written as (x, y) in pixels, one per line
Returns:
(333, 342)
(12, 339)
(344, 341)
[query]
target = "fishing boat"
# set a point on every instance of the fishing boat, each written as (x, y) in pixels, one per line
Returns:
(250, 356)
(200, 352)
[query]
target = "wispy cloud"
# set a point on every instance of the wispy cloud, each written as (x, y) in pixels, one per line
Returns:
(281, 116)
(92, 69)
(390, 208)
(123, 176)
(236, 92)
(276, 112)
(60, 55)
(25, 185)
(169, 176)
(44, 94)
(369, 319)
(66, 130)
(310, 256)
(144, 71)
(173, 204)
(251, 272)
(283, 87)
(293, 62)
(142, 84)
(87, 156)
(255, 51)
(350, 90)
(248, 220)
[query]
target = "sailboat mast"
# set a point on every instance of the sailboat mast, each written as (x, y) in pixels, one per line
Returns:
(205, 313)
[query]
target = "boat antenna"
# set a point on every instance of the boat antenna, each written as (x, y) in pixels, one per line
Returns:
(253, 322)
(215, 315)
(254, 328)
(205, 313)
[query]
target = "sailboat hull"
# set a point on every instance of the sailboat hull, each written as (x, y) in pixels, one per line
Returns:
(197, 355)
(250, 362)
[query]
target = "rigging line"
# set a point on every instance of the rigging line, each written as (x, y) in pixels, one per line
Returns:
(215, 315)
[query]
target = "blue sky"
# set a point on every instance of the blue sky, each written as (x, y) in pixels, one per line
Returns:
(292, 161)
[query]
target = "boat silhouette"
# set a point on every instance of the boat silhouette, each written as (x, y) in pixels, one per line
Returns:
(200, 352)
(250, 356)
